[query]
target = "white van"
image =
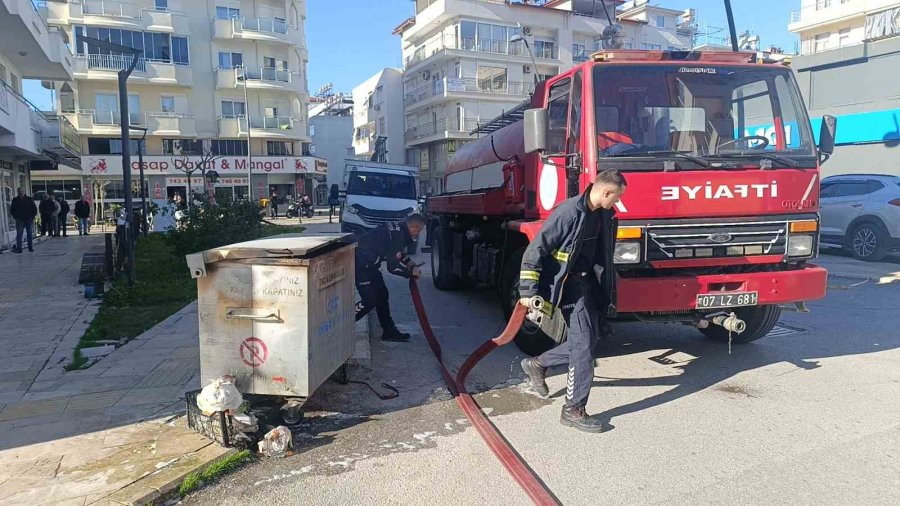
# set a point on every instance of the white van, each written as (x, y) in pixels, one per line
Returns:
(375, 193)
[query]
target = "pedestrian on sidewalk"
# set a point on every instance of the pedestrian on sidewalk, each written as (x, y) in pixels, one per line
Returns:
(274, 204)
(83, 213)
(54, 217)
(46, 209)
(63, 217)
(23, 211)
(570, 265)
(334, 201)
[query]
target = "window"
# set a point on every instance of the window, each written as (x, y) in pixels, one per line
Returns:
(822, 4)
(2, 72)
(279, 148)
(545, 49)
(162, 5)
(660, 21)
(230, 60)
(108, 146)
(850, 189)
(382, 125)
(312, 131)
(652, 47)
(67, 189)
(271, 112)
(558, 117)
(180, 53)
(489, 38)
(233, 109)
(821, 42)
(155, 46)
(575, 116)
(275, 63)
(182, 147)
(106, 102)
(221, 147)
(579, 52)
(167, 104)
(844, 37)
(227, 12)
(491, 79)
(14, 83)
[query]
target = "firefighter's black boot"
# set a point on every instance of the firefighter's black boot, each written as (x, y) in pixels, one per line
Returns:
(537, 375)
(577, 417)
(394, 334)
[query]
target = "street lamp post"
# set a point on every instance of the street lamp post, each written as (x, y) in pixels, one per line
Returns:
(125, 121)
(243, 78)
(519, 37)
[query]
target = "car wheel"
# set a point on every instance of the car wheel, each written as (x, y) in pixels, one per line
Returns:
(869, 242)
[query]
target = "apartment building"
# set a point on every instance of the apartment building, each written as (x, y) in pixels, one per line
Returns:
(844, 43)
(378, 112)
(218, 81)
(331, 130)
(29, 138)
(465, 62)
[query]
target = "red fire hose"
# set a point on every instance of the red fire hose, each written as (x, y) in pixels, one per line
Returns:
(527, 479)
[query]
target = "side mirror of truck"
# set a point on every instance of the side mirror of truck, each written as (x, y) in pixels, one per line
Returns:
(535, 130)
(826, 138)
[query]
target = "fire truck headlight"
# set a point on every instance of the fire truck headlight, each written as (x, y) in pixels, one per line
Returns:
(627, 253)
(800, 245)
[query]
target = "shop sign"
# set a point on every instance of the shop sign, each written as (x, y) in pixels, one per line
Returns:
(101, 165)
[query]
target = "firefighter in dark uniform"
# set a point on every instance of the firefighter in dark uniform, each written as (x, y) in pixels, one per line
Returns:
(569, 264)
(372, 249)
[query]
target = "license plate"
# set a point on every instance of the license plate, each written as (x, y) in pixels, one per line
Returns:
(725, 300)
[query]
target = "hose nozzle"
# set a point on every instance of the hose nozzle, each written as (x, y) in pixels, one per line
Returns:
(730, 322)
(535, 315)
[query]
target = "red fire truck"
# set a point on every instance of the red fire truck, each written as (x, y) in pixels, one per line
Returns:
(719, 222)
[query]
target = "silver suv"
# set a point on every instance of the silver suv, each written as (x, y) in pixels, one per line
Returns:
(861, 213)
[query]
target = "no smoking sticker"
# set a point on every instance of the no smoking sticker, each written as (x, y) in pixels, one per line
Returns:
(254, 352)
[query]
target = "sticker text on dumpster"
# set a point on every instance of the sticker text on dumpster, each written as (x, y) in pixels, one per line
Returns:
(254, 352)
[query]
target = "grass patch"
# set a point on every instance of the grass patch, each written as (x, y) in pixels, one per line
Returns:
(216, 470)
(163, 285)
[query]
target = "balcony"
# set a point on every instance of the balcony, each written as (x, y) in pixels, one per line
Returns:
(258, 29)
(21, 123)
(106, 67)
(446, 128)
(261, 126)
(459, 87)
(60, 137)
(125, 15)
(100, 122)
(260, 79)
(811, 17)
(450, 45)
(39, 50)
(171, 123)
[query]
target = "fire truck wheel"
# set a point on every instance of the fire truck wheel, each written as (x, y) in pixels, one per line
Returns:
(530, 339)
(442, 262)
(760, 321)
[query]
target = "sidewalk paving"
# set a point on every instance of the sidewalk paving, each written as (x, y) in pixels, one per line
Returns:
(104, 435)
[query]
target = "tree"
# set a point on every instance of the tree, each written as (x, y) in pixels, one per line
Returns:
(189, 163)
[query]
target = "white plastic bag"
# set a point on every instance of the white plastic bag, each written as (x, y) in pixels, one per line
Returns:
(220, 395)
(277, 442)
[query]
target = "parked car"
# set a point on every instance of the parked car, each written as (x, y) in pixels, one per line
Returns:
(861, 213)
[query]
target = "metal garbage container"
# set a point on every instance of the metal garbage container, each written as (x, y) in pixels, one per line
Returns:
(277, 314)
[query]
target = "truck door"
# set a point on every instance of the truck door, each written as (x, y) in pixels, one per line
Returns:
(560, 171)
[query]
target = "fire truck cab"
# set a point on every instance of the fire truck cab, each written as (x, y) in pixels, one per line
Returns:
(720, 218)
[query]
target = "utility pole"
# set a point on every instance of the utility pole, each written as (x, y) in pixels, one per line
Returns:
(144, 190)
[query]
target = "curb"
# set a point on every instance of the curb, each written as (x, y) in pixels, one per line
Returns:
(163, 485)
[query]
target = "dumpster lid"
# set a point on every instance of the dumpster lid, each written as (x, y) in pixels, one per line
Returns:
(280, 246)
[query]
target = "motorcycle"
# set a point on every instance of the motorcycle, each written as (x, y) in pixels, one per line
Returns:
(299, 208)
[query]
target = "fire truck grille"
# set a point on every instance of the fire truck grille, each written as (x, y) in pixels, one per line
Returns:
(676, 242)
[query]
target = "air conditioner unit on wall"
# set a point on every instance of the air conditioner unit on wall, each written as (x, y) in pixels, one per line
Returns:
(526, 69)
(426, 74)
(526, 30)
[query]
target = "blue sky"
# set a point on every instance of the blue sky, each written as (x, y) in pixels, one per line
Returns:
(348, 49)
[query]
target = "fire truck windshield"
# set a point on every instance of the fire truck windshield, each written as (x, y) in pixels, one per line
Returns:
(710, 113)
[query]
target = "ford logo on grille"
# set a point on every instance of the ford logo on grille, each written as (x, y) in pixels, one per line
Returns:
(720, 237)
